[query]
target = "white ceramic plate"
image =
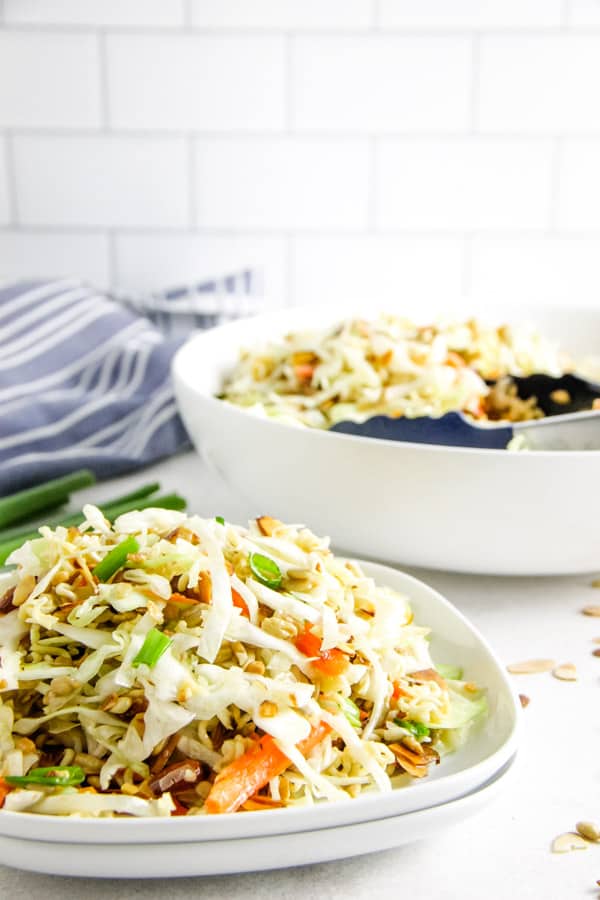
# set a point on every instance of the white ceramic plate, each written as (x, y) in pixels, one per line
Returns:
(247, 854)
(484, 511)
(490, 746)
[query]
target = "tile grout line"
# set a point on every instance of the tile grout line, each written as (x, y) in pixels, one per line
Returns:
(372, 185)
(192, 185)
(288, 89)
(475, 85)
(9, 156)
(467, 265)
(340, 136)
(290, 273)
(266, 233)
(103, 69)
(555, 178)
(112, 258)
(337, 33)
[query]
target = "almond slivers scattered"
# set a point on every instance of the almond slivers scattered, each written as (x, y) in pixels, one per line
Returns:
(531, 666)
(588, 830)
(568, 841)
(566, 672)
(591, 610)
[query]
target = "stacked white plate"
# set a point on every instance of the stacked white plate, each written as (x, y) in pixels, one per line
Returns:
(206, 845)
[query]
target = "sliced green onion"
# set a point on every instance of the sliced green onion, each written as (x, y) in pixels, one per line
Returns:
(116, 559)
(417, 729)
(266, 570)
(155, 644)
(166, 501)
(26, 504)
(220, 520)
(351, 711)
(453, 673)
(51, 775)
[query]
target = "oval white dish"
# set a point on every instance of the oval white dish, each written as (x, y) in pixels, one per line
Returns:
(481, 511)
(487, 751)
(248, 854)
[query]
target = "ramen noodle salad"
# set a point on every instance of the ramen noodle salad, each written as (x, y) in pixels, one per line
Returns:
(390, 366)
(172, 665)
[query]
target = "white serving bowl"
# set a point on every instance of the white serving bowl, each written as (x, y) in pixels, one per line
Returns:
(479, 511)
(461, 784)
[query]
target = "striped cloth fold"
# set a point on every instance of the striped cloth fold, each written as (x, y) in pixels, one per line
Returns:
(85, 377)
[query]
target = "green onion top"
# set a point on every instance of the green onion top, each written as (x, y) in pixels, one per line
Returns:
(417, 729)
(265, 570)
(220, 520)
(155, 644)
(116, 559)
(51, 775)
(351, 711)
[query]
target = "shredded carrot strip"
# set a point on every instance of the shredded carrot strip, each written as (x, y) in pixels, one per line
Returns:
(326, 662)
(245, 776)
(239, 601)
(4, 790)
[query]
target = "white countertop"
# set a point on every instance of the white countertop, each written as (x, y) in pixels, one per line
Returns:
(503, 852)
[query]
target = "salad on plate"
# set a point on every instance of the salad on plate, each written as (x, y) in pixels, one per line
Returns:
(168, 665)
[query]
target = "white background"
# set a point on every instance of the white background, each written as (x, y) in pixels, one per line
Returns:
(347, 147)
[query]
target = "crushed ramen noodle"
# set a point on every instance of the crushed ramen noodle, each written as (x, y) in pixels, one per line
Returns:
(172, 665)
(391, 366)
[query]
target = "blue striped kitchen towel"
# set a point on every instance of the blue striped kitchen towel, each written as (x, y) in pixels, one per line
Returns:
(85, 377)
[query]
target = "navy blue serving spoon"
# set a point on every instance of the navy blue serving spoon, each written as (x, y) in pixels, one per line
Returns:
(570, 423)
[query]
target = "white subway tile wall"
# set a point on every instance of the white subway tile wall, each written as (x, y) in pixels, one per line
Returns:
(49, 83)
(457, 184)
(196, 83)
(282, 183)
(346, 149)
(101, 181)
(379, 83)
(453, 14)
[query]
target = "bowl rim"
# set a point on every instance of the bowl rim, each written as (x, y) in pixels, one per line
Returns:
(181, 376)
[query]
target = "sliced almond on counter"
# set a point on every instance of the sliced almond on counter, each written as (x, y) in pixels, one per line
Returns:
(588, 830)
(525, 701)
(593, 610)
(568, 841)
(566, 672)
(531, 666)
(596, 652)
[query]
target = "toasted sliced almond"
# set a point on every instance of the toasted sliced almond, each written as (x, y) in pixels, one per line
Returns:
(596, 581)
(531, 666)
(593, 610)
(596, 640)
(566, 672)
(413, 763)
(596, 652)
(588, 830)
(267, 524)
(568, 841)
(428, 675)
(525, 701)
